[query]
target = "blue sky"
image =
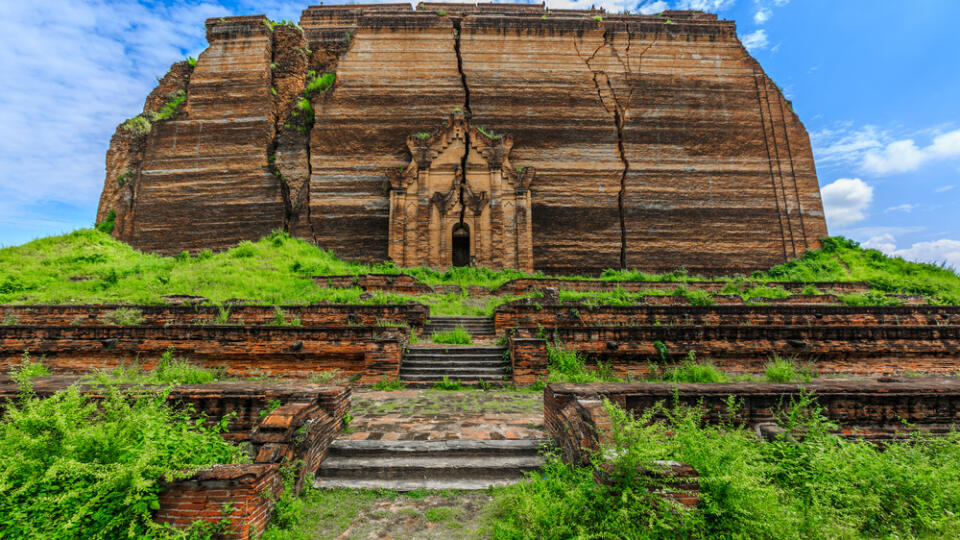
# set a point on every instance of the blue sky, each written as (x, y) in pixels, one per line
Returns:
(876, 82)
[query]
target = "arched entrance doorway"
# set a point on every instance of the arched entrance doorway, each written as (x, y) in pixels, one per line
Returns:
(461, 245)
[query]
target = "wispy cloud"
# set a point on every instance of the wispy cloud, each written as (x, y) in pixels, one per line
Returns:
(904, 155)
(650, 8)
(900, 208)
(755, 41)
(941, 189)
(942, 251)
(843, 145)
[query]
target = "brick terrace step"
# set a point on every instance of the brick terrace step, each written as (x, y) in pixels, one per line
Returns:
(475, 326)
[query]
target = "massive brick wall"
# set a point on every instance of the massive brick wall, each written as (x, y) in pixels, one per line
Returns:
(657, 141)
(527, 285)
(373, 353)
(876, 410)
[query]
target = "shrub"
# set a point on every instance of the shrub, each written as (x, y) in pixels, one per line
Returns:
(457, 336)
(442, 12)
(386, 384)
(318, 84)
(783, 370)
(124, 316)
(29, 369)
(822, 486)
(106, 226)
(74, 468)
(597, 18)
(691, 371)
(191, 61)
(447, 384)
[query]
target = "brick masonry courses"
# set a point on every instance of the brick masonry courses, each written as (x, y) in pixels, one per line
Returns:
(299, 430)
(533, 315)
(319, 315)
(876, 350)
(372, 353)
(874, 410)
(653, 138)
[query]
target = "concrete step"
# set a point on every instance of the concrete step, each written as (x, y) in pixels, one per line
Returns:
(409, 465)
(457, 357)
(453, 373)
(454, 363)
(455, 349)
(452, 377)
(456, 447)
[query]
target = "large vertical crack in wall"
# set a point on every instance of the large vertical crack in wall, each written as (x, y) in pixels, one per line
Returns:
(618, 109)
(467, 115)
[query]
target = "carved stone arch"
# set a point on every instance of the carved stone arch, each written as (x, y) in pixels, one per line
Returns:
(461, 173)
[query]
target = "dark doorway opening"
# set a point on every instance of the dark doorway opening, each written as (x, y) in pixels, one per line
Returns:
(461, 245)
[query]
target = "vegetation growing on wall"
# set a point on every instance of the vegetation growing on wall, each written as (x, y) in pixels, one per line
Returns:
(821, 486)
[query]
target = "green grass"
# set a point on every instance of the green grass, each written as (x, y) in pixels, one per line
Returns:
(276, 270)
(448, 385)
(457, 336)
(389, 384)
(822, 486)
(691, 371)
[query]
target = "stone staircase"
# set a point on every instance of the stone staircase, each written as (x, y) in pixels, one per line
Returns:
(410, 465)
(475, 326)
(457, 362)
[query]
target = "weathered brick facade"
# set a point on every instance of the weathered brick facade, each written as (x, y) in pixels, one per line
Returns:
(657, 141)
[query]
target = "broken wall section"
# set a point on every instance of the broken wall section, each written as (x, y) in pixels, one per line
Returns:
(205, 180)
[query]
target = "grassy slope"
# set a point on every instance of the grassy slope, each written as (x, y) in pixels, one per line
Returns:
(88, 266)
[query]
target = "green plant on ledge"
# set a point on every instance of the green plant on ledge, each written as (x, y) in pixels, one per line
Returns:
(457, 336)
(447, 384)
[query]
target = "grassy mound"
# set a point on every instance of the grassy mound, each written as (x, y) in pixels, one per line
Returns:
(89, 266)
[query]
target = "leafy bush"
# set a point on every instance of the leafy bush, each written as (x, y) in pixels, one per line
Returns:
(107, 225)
(75, 468)
(457, 336)
(822, 486)
(568, 365)
(169, 370)
(29, 369)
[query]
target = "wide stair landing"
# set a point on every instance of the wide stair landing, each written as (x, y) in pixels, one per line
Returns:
(410, 465)
(424, 363)
(475, 326)
(430, 439)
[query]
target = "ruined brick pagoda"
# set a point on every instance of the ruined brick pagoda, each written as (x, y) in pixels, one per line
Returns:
(506, 136)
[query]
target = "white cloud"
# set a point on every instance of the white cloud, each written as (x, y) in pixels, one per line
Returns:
(904, 155)
(935, 252)
(884, 242)
(762, 15)
(653, 7)
(900, 208)
(755, 41)
(941, 189)
(845, 201)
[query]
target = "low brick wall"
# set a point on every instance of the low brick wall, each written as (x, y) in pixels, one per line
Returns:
(872, 410)
(299, 430)
(373, 353)
(525, 313)
(528, 360)
(318, 315)
(527, 285)
(880, 349)
(395, 283)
